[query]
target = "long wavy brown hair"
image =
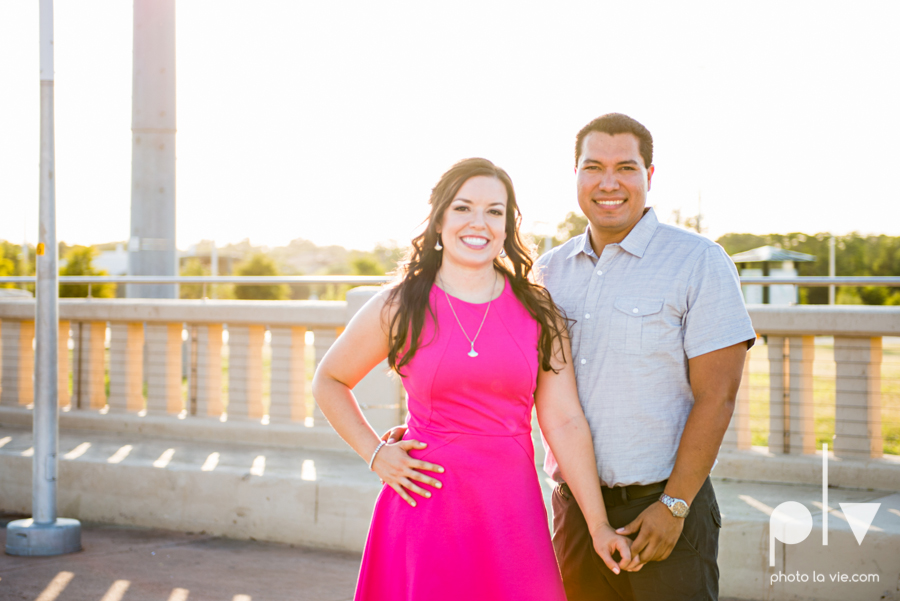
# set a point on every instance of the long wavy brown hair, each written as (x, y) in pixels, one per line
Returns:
(419, 270)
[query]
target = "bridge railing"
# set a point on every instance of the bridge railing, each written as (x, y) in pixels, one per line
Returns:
(225, 359)
(252, 360)
(847, 383)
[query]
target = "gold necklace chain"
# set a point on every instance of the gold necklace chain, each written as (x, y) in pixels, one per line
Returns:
(471, 352)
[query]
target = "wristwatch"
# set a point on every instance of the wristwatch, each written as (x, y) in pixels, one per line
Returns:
(678, 507)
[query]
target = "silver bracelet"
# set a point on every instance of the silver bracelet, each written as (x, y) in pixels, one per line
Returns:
(378, 448)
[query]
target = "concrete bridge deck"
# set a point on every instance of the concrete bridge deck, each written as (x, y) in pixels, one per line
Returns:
(323, 499)
(145, 564)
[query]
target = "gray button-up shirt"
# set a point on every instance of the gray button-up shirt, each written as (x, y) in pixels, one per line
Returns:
(642, 309)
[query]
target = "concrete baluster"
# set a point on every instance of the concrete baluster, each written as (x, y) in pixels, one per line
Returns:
(800, 394)
(209, 370)
(126, 366)
(163, 348)
(288, 397)
(379, 393)
(323, 338)
(16, 385)
(245, 371)
(738, 434)
(89, 375)
(858, 397)
(65, 397)
(779, 409)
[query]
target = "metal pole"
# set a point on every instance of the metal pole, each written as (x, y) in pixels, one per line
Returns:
(152, 248)
(44, 533)
(213, 267)
(831, 270)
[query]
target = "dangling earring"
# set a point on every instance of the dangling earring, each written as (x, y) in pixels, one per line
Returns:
(438, 245)
(502, 253)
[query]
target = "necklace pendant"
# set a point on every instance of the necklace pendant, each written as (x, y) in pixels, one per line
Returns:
(472, 352)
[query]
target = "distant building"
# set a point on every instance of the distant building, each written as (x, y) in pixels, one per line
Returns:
(114, 262)
(770, 261)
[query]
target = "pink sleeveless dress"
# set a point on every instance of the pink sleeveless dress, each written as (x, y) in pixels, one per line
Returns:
(484, 534)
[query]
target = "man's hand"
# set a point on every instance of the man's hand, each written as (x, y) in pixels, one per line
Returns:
(658, 531)
(395, 434)
(400, 471)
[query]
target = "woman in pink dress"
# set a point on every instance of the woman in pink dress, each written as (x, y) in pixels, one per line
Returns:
(477, 344)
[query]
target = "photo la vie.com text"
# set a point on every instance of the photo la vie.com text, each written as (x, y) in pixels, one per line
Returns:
(791, 523)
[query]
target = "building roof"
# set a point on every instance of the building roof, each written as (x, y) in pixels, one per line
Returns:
(770, 253)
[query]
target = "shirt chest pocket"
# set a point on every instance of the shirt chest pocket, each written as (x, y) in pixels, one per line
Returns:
(636, 325)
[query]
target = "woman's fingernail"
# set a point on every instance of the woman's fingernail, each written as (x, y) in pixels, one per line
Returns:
(440, 470)
(615, 570)
(438, 485)
(413, 503)
(428, 495)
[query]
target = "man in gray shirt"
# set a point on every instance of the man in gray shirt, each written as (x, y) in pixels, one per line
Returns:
(659, 337)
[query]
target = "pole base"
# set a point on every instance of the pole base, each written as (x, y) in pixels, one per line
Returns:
(28, 539)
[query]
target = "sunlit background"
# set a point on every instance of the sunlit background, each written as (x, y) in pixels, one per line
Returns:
(330, 121)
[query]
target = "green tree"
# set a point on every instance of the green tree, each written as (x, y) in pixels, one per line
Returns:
(193, 267)
(13, 264)
(855, 255)
(7, 267)
(389, 255)
(79, 260)
(571, 226)
(366, 266)
(259, 264)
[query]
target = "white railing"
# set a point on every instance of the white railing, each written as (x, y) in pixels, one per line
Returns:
(170, 358)
(150, 349)
(790, 334)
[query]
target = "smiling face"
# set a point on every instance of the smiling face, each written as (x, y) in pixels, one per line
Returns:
(612, 183)
(473, 228)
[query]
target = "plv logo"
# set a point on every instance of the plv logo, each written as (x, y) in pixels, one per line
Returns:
(791, 522)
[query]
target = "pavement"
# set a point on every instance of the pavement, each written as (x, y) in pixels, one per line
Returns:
(143, 564)
(221, 491)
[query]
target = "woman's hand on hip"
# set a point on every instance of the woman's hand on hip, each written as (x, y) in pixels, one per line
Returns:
(401, 472)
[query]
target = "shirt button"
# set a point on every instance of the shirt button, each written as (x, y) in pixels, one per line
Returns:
(635, 310)
(600, 272)
(583, 361)
(587, 315)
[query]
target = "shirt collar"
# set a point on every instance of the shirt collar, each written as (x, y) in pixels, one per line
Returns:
(635, 242)
(583, 245)
(639, 237)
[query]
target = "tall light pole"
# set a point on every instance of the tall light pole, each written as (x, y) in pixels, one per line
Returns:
(45, 533)
(151, 247)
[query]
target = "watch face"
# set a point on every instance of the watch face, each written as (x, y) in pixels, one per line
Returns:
(678, 507)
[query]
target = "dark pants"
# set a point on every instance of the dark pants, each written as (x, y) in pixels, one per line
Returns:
(689, 573)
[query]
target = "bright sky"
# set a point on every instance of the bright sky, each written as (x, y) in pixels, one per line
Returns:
(331, 121)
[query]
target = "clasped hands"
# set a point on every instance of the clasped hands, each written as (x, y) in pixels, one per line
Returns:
(657, 532)
(656, 528)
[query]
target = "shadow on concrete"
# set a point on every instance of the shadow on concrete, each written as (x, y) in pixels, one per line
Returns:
(141, 564)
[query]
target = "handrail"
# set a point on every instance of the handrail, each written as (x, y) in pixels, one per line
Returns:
(362, 280)
(822, 280)
(353, 280)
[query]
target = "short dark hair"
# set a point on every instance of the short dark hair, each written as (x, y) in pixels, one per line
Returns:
(617, 123)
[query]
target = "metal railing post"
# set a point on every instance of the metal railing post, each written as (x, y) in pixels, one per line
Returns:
(45, 533)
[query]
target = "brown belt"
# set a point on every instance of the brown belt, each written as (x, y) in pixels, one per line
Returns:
(620, 495)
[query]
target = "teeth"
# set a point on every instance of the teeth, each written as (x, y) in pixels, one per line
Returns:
(610, 203)
(474, 241)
